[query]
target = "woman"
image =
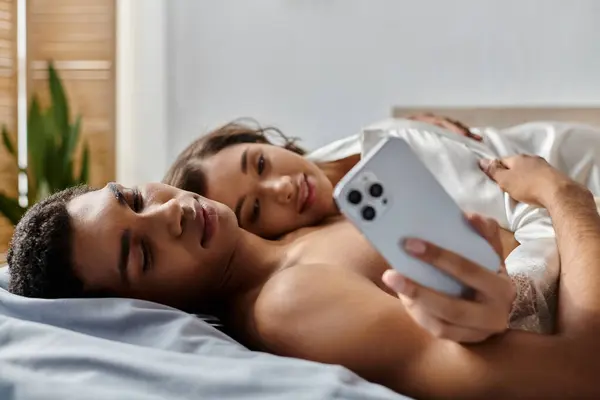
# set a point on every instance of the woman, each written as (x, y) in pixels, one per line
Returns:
(276, 190)
(195, 166)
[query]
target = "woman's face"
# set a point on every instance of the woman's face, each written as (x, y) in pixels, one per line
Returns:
(272, 190)
(154, 242)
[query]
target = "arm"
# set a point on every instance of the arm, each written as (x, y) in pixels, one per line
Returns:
(342, 318)
(577, 225)
(446, 123)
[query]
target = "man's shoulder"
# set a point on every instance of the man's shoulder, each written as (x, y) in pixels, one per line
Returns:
(303, 293)
(303, 285)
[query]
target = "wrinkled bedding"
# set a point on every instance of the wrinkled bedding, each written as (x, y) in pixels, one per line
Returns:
(127, 349)
(534, 265)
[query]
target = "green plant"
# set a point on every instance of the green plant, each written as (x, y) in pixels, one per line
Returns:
(51, 143)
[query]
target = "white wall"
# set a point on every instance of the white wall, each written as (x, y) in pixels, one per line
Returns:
(321, 69)
(142, 133)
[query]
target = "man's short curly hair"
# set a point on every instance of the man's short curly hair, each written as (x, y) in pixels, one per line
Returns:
(40, 254)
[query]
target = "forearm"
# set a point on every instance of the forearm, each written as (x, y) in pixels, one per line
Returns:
(577, 225)
(382, 343)
(528, 365)
(513, 365)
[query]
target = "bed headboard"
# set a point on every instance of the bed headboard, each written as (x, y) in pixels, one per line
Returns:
(502, 117)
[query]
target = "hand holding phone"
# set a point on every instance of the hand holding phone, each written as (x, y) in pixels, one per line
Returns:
(468, 321)
(390, 195)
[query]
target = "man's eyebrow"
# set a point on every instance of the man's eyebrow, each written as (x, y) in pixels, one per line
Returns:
(244, 161)
(117, 193)
(124, 256)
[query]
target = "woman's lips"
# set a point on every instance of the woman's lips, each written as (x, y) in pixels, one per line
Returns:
(306, 194)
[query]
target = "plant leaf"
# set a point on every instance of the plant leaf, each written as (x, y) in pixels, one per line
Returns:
(53, 172)
(60, 106)
(32, 190)
(85, 165)
(53, 166)
(7, 142)
(69, 176)
(11, 209)
(71, 143)
(59, 128)
(43, 191)
(36, 141)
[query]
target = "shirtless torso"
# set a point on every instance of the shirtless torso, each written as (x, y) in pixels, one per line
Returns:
(321, 262)
(339, 244)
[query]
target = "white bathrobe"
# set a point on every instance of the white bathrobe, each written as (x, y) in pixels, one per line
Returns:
(534, 266)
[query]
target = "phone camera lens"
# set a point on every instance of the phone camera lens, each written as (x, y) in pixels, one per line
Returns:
(368, 213)
(376, 190)
(354, 197)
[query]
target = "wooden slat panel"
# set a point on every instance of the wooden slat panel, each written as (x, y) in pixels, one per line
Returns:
(73, 29)
(8, 110)
(79, 35)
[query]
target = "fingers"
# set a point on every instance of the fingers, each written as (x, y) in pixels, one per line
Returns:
(494, 169)
(459, 127)
(426, 303)
(467, 272)
(475, 136)
(488, 229)
(444, 330)
(446, 123)
(442, 316)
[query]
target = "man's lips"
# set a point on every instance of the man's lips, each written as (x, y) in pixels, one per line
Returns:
(206, 222)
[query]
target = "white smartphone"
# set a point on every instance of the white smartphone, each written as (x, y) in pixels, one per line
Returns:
(391, 195)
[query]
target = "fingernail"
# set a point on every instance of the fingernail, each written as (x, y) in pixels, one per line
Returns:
(394, 280)
(415, 246)
(484, 163)
(400, 285)
(404, 287)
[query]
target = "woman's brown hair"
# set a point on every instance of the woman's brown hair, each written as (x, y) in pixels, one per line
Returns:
(186, 172)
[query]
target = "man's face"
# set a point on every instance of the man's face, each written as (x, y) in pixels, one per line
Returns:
(154, 242)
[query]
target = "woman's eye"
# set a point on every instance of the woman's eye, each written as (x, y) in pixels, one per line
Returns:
(261, 164)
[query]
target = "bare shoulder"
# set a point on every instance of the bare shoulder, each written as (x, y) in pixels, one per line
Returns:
(301, 310)
(302, 290)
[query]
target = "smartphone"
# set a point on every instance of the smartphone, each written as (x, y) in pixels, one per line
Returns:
(391, 195)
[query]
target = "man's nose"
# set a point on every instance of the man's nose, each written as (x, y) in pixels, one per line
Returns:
(168, 217)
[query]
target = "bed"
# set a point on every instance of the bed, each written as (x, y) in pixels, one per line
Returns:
(127, 349)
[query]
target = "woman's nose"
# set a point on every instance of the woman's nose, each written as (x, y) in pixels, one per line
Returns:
(280, 188)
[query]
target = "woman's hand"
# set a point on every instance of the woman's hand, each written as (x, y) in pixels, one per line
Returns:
(528, 179)
(457, 319)
(446, 123)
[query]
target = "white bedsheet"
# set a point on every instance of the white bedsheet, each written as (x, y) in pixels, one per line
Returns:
(125, 349)
(573, 148)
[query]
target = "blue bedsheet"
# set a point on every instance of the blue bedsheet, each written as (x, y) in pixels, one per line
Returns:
(126, 349)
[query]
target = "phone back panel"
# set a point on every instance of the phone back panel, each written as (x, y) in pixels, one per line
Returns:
(411, 203)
